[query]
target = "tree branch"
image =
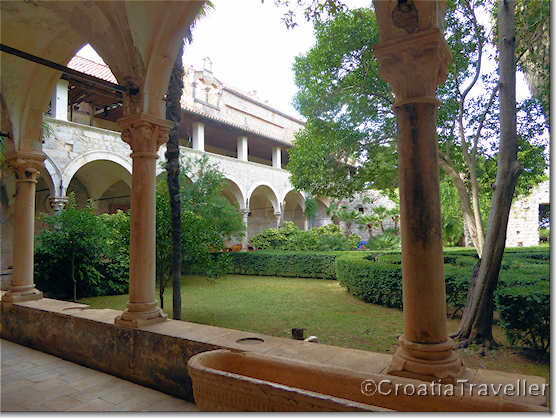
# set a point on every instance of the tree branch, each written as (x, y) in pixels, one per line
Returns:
(482, 120)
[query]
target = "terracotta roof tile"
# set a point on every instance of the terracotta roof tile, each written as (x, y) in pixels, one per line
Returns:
(92, 68)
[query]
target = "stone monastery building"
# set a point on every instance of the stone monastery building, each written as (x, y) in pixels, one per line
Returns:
(86, 152)
(248, 139)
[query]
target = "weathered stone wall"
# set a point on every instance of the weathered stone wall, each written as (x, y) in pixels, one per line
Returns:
(205, 94)
(523, 227)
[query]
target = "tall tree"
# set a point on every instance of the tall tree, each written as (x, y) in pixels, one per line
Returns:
(532, 48)
(478, 314)
(208, 219)
(349, 143)
(174, 114)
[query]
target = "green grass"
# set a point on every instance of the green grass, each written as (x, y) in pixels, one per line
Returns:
(273, 306)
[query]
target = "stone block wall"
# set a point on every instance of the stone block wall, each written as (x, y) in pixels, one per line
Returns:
(523, 227)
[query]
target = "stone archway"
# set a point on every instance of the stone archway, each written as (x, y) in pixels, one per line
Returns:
(43, 192)
(293, 206)
(264, 211)
(116, 197)
(71, 169)
(232, 191)
(101, 181)
(320, 218)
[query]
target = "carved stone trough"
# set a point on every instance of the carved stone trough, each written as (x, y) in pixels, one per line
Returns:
(246, 381)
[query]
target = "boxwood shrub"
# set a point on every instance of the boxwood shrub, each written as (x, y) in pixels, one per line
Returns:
(524, 312)
(289, 264)
(522, 296)
(377, 282)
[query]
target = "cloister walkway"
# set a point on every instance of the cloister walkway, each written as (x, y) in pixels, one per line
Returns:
(35, 381)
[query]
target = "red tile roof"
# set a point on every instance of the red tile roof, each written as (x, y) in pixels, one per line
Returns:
(92, 68)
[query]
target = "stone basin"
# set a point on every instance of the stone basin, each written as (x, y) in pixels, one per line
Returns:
(246, 381)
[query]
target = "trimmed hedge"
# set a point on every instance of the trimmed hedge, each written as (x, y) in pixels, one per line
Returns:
(524, 313)
(522, 295)
(377, 282)
(289, 264)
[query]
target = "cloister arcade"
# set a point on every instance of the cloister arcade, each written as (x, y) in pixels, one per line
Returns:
(139, 42)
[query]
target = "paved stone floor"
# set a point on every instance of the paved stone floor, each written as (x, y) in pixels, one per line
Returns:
(33, 381)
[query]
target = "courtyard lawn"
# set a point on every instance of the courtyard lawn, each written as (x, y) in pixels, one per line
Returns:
(273, 306)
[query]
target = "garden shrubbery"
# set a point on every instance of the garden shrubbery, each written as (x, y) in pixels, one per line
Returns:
(522, 296)
(290, 237)
(80, 254)
(524, 312)
(289, 264)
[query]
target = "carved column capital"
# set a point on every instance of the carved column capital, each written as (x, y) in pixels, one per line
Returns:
(144, 133)
(57, 203)
(26, 165)
(414, 65)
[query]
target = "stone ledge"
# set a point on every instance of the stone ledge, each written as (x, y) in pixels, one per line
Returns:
(156, 355)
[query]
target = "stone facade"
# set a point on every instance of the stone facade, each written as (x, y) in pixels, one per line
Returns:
(86, 156)
(523, 227)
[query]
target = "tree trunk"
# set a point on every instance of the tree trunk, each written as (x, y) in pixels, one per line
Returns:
(173, 113)
(467, 212)
(161, 293)
(477, 319)
(74, 280)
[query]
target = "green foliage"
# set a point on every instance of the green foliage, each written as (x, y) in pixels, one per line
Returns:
(524, 312)
(348, 111)
(79, 249)
(533, 47)
(544, 236)
(374, 282)
(452, 222)
(311, 207)
(116, 271)
(390, 239)
(290, 237)
(522, 296)
(208, 220)
(287, 264)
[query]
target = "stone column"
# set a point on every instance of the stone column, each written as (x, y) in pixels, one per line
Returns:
(277, 164)
(144, 133)
(26, 166)
(415, 65)
(57, 203)
(243, 148)
(245, 216)
(59, 101)
(277, 219)
(198, 137)
(306, 223)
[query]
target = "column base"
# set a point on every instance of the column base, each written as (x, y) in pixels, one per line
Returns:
(426, 362)
(135, 319)
(21, 296)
